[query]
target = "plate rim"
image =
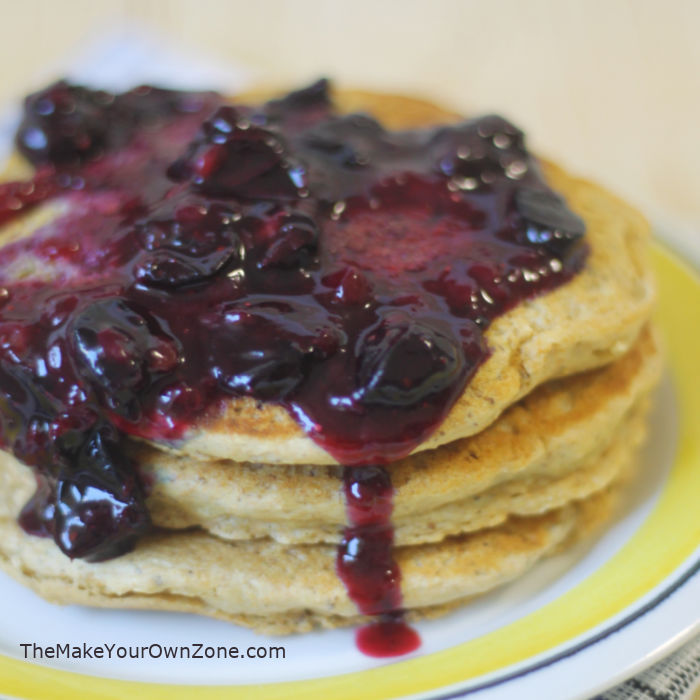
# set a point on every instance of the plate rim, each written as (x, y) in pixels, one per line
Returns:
(657, 598)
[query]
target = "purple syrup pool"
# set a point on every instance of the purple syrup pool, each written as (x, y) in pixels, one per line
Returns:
(203, 252)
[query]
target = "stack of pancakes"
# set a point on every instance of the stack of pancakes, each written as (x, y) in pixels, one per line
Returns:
(250, 511)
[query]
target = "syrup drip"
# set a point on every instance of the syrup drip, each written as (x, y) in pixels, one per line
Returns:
(388, 636)
(365, 563)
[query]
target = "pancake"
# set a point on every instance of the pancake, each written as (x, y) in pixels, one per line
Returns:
(512, 518)
(250, 511)
(586, 323)
(527, 493)
(275, 588)
(558, 429)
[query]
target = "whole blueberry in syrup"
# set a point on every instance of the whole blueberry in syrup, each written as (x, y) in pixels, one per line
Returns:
(232, 157)
(284, 252)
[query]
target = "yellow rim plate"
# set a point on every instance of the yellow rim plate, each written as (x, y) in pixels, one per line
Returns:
(666, 540)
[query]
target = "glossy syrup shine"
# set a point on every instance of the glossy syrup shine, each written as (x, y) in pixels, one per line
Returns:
(365, 563)
(203, 252)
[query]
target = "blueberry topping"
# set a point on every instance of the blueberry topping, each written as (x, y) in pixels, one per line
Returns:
(99, 509)
(548, 210)
(196, 244)
(294, 245)
(231, 157)
(352, 287)
(119, 347)
(329, 140)
(275, 341)
(69, 124)
(281, 252)
(65, 124)
(313, 97)
(404, 361)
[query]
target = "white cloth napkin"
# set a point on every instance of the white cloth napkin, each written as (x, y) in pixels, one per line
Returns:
(674, 678)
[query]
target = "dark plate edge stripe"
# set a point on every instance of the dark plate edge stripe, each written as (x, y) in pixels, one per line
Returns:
(580, 646)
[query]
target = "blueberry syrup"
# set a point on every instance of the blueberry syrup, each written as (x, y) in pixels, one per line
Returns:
(388, 636)
(365, 563)
(284, 253)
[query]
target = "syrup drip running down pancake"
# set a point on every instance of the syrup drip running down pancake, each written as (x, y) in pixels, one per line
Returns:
(284, 253)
